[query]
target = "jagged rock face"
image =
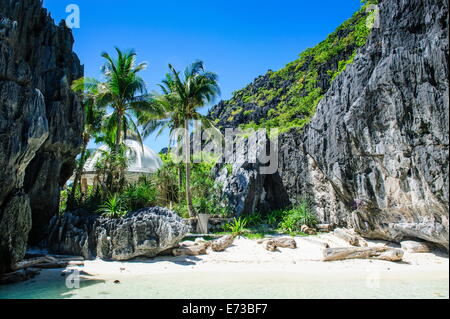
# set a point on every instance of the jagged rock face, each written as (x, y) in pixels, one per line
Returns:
(40, 122)
(145, 233)
(375, 155)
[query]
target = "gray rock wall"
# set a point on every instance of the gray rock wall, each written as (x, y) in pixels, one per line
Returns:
(40, 122)
(375, 155)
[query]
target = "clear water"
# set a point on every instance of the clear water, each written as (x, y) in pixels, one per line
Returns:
(243, 285)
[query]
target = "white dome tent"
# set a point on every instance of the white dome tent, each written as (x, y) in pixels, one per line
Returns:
(143, 161)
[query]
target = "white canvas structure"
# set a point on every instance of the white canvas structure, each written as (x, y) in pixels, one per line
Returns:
(142, 161)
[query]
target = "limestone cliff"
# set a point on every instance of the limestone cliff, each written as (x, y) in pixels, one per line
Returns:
(375, 154)
(40, 122)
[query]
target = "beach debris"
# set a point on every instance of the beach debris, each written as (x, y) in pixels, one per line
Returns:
(18, 276)
(194, 250)
(49, 262)
(415, 247)
(200, 247)
(188, 243)
(33, 262)
(283, 242)
(325, 228)
(350, 237)
(222, 243)
(308, 230)
(200, 240)
(377, 252)
(117, 282)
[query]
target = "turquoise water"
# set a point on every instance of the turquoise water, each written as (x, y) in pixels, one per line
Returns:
(199, 285)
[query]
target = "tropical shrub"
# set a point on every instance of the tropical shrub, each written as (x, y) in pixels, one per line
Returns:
(112, 208)
(293, 219)
(140, 195)
(237, 227)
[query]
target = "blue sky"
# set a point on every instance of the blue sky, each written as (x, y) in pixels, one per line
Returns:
(239, 40)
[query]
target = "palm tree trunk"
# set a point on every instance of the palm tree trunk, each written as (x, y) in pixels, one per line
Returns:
(79, 172)
(119, 132)
(187, 144)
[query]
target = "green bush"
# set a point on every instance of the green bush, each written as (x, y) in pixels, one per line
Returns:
(112, 208)
(237, 227)
(298, 216)
(140, 195)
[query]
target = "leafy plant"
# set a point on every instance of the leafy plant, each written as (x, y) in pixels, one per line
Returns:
(237, 227)
(298, 216)
(140, 195)
(112, 208)
(274, 217)
(254, 219)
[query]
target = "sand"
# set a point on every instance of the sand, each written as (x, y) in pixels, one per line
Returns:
(248, 256)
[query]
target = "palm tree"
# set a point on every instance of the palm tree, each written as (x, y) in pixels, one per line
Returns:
(126, 93)
(93, 115)
(180, 102)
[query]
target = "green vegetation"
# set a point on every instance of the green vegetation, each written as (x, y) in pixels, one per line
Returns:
(285, 221)
(112, 208)
(237, 227)
(293, 94)
(293, 219)
(295, 91)
(179, 104)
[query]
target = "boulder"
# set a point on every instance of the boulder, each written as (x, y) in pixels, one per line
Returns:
(145, 233)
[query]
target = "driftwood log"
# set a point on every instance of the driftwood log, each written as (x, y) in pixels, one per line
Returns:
(18, 276)
(284, 242)
(350, 237)
(222, 243)
(324, 228)
(200, 247)
(194, 250)
(49, 262)
(34, 261)
(308, 230)
(379, 252)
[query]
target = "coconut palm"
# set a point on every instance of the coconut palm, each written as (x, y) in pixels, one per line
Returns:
(123, 92)
(126, 93)
(182, 97)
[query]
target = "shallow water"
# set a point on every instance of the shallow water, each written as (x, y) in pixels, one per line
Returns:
(236, 285)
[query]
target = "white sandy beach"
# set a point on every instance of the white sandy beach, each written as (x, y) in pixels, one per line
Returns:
(246, 270)
(248, 256)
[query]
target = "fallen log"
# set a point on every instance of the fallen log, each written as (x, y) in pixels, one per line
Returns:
(325, 228)
(59, 264)
(195, 250)
(190, 248)
(221, 244)
(308, 230)
(350, 237)
(284, 242)
(33, 262)
(18, 276)
(379, 253)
